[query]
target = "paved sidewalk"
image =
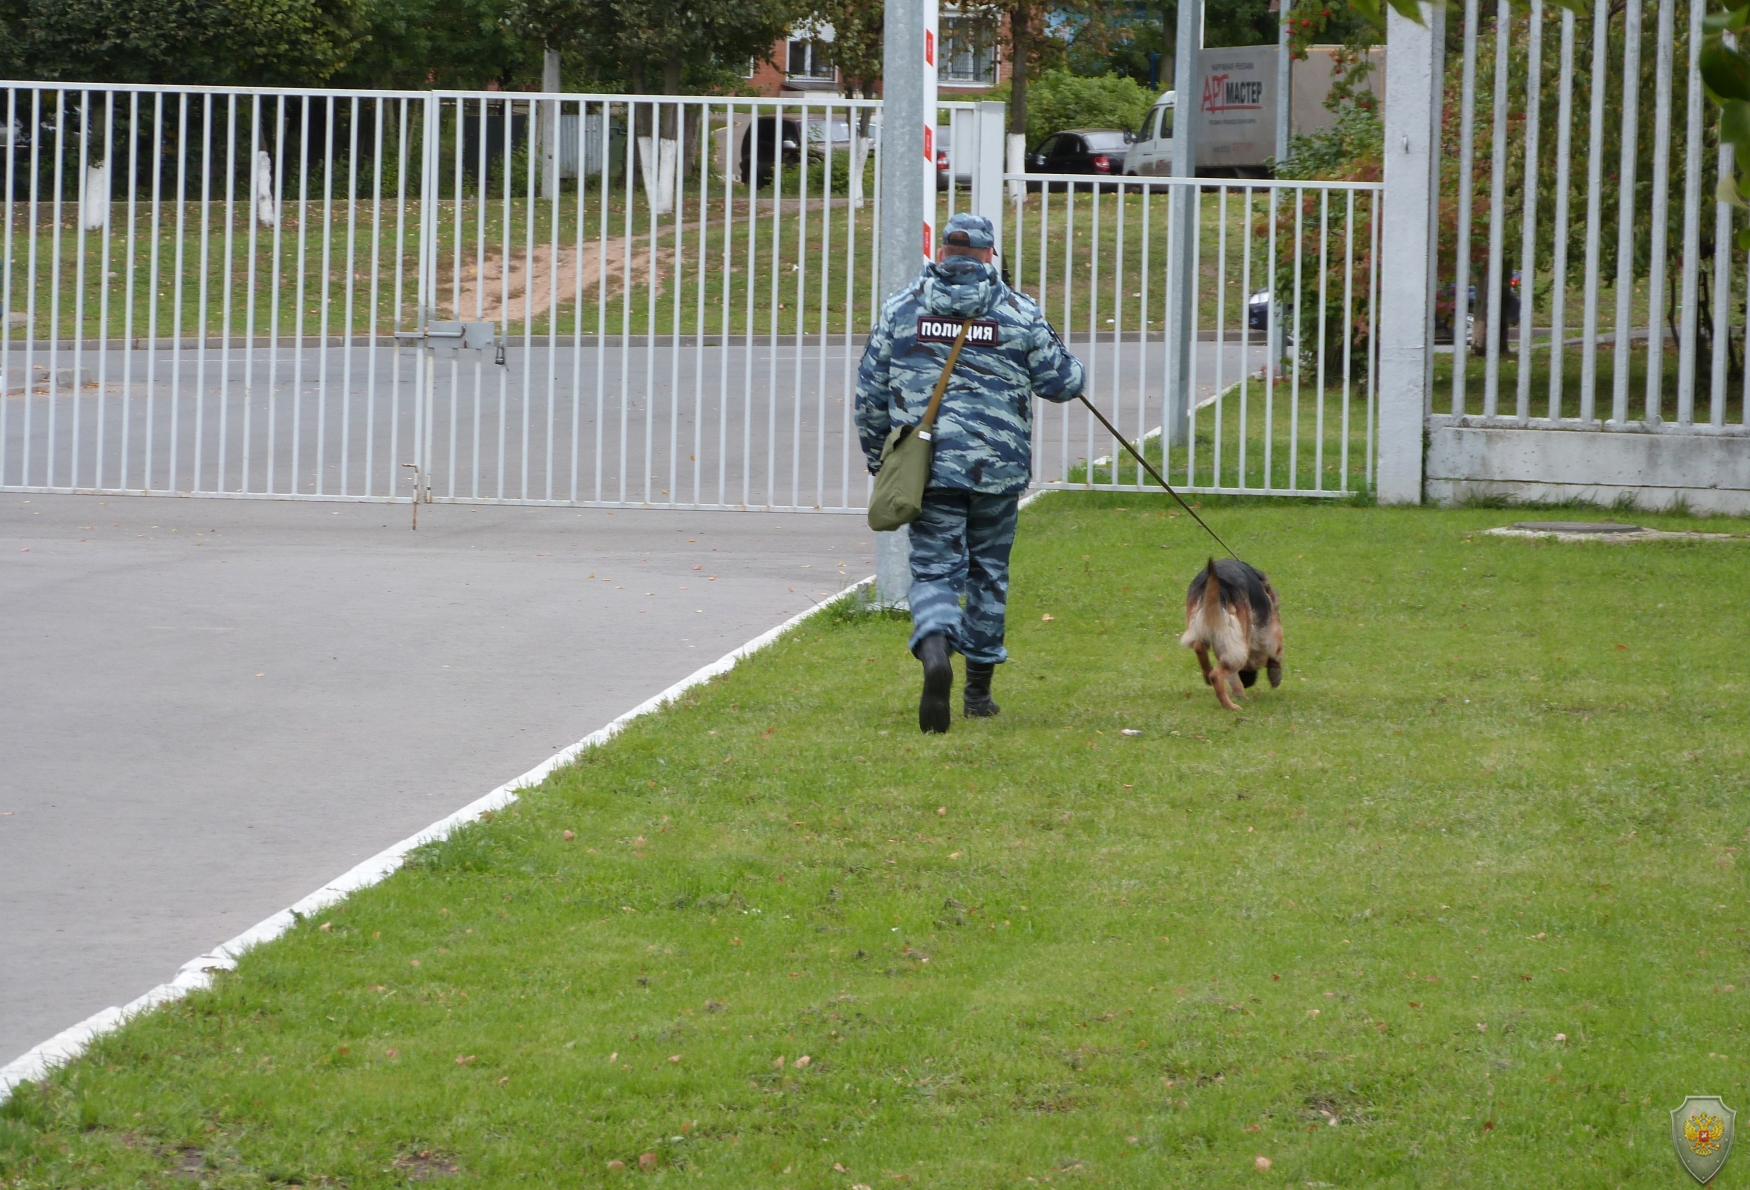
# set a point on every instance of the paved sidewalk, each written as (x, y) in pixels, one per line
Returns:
(213, 706)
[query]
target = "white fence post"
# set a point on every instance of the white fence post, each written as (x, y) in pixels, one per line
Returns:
(1408, 227)
(987, 170)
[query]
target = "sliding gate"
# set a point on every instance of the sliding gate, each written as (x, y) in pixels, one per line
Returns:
(578, 299)
(606, 300)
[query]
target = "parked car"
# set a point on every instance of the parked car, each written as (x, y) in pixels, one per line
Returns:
(763, 139)
(1096, 151)
(946, 160)
(822, 134)
(1258, 310)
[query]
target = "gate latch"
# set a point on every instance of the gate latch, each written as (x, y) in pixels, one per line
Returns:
(456, 337)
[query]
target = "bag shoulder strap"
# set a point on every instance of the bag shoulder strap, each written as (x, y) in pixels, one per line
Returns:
(929, 422)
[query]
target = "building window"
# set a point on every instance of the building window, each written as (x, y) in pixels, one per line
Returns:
(969, 51)
(809, 58)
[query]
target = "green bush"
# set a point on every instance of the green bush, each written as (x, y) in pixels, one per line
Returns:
(1059, 99)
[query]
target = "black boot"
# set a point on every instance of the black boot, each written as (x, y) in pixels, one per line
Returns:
(934, 712)
(977, 698)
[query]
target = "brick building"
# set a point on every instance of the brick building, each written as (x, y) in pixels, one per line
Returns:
(969, 64)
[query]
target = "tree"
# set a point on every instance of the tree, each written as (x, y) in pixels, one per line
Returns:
(220, 42)
(650, 42)
(443, 43)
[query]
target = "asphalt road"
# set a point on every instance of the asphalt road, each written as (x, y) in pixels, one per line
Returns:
(214, 706)
(639, 423)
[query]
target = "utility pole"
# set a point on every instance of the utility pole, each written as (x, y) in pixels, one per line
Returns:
(549, 122)
(907, 200)
(1283, 81)
(1182, 238)
(908, 140)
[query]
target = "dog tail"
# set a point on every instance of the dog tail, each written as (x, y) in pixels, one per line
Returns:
(1211, 598)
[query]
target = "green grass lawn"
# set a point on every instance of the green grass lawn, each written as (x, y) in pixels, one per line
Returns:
(1461, 904)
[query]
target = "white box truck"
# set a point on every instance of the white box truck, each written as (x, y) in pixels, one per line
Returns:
(1237, 105)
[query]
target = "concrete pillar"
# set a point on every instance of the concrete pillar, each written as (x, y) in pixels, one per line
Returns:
(1181, 239)
(908, 198)
(893, 567)
(549, 122)
(1407, 253)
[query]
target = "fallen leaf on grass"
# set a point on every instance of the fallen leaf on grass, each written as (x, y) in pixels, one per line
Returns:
(675, 1058)
(467, 1060)
(801, 1062)
(616, 1164)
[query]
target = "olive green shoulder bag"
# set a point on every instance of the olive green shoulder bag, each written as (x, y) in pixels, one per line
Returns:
(906, 457)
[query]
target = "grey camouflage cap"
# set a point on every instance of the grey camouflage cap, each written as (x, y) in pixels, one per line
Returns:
(976, 229)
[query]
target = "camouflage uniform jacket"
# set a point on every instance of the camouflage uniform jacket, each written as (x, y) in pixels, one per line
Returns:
(984, 431)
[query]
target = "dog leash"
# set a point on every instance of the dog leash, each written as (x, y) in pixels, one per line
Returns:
(1149, 467)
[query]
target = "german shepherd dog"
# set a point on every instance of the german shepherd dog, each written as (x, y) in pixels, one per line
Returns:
(1231, 611)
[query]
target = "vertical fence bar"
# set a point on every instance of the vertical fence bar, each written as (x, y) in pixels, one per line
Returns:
(1299, 339)
(801, 268)
(1146, 198)
(1273, 335)
(1625, 226)
(32, 215)
(1692, 171)
(1661, 204)
(1319, 370)
(1348, 329)
(82, 183)
(325, 302)
(1466, 184)
(1246, 331)
(6, 303)
(53, 378)
(1559, 237)
(278, 167)
(103, 273)
(1528, 220)
(371, 327)
(1496, 328)
(346, 321)
(1594, 209)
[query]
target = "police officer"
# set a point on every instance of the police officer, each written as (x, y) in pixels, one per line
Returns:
(983, 447)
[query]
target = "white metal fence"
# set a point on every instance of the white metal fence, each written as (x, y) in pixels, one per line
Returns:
(1283, 319)
(1588, 277)
(1588, 280)
(615, 300)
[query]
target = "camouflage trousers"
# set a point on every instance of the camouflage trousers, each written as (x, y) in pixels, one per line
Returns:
(960, 547)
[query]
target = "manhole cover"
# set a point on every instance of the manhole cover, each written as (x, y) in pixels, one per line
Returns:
(1575, 527)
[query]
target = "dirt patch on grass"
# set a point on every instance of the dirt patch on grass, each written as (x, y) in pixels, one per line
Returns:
(534, 278)
(426, 1166)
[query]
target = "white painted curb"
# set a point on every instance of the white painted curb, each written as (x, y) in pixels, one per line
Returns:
(197, 972)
